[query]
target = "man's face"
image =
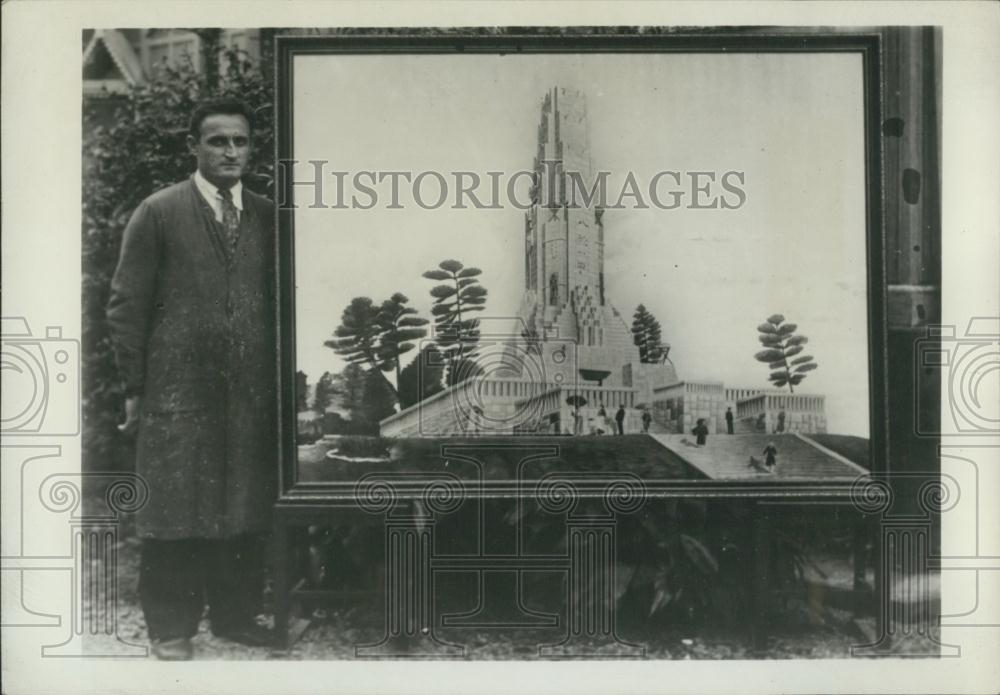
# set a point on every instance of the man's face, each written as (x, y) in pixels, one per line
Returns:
(222, 148)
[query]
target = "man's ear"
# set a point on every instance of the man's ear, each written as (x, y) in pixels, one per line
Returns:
(192, 144)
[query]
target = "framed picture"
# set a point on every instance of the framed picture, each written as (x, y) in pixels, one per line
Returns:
(585, 272)
(690, 220)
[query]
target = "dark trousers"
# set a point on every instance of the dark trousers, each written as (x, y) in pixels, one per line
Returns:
(729, 426)
(621, 427)
(177, 577)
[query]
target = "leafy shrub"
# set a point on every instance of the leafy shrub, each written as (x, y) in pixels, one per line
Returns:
(678, 561)
(139, 151)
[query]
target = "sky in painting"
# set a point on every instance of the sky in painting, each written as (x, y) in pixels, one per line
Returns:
(791, 123)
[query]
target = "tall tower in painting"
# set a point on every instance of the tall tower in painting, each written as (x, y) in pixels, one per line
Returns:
(564, 242)
(565, 290)
(571, 352)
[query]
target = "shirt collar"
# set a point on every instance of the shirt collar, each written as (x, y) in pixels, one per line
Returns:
(211, 192)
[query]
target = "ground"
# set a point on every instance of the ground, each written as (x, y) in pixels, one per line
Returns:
(334, 633)
(798, 630)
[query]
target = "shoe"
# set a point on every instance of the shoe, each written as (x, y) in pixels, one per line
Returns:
(252, 635)
(178, 649)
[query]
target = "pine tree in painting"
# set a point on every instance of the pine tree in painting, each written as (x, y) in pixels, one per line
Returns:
(783, 352)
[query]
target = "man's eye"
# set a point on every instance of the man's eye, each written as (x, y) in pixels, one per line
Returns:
(241, 142)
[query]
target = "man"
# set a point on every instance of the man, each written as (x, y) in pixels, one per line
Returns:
(729, 420)
(192, 320)
(647, 418)
(620, 419)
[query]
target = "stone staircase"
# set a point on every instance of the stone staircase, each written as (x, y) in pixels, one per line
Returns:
(728, 457)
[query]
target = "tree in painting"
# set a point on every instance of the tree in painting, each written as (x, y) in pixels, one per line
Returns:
(646, 334)
(400, 325)
(782, 352)
(421, 378)
(324, 393)
(358, 337)
(455, 303)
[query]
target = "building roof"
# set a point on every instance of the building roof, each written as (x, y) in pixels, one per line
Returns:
(121, 52)
(728, 457)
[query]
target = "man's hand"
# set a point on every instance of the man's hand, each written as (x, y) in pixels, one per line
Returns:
(132, 408)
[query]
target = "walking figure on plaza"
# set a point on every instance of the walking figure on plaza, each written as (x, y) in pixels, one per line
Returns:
(770, 453)
(700, 431)
(602, 421)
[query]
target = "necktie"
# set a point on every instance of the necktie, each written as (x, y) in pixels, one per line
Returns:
(230, 220)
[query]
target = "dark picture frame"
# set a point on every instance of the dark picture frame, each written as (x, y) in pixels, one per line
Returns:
(868, 44)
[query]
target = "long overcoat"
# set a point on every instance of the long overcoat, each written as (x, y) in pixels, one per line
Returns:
(193, 330)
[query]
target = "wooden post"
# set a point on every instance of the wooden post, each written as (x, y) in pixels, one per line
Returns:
(859, 539)
(760, 589)
(282, 586)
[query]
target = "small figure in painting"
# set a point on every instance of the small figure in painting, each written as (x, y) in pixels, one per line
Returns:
(780, 427)
(700, 431)
(620, 419)
(770, 453)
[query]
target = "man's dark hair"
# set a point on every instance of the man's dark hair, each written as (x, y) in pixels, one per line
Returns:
(227, 107)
